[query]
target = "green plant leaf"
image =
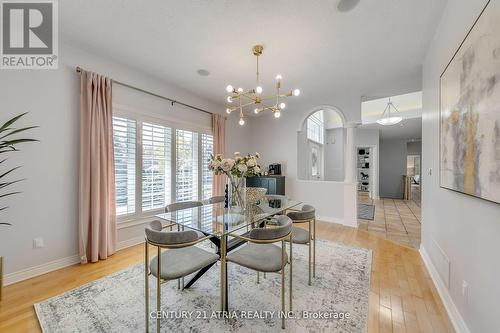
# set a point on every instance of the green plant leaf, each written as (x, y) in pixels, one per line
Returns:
(3, 208)
(11, 121)
(4, 185)
(9, 194)
(10, 143)
(5, 223)
(9, 171)
(19, 130)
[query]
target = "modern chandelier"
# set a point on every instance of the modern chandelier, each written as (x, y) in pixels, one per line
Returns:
(388, 118)
(254, 98)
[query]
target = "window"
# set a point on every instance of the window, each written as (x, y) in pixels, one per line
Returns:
(316, 127)
(124, 138)
(207, 148)
(156, 166)
(186, 182)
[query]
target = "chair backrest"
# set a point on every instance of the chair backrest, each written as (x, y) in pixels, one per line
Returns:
(154, 234)
(216, 199)
(307, 212)
(284, 227)
(182, 205)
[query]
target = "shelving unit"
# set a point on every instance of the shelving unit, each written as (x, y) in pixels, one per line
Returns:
(364, 163)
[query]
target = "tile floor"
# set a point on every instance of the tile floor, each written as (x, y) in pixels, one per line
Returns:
(396, 220)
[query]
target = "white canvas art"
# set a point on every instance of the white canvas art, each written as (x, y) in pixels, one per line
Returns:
(470, 111)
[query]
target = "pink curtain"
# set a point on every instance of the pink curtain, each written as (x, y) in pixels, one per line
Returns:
(97, 221)
(219, 131)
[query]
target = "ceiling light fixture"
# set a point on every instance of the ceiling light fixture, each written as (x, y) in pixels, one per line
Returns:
(253, 96)
(387, 119)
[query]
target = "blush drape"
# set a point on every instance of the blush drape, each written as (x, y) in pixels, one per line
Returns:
(97, 210)
(219, 132)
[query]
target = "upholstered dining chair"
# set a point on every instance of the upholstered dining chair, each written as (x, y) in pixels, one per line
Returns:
(182, 258)
(215, 199)
(179, 206)
(307, 237)
(261, 255)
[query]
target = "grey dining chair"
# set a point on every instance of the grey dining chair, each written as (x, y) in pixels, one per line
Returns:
(179, 206)
(306, 237)
(182, 258)
(215, 199)
(261, 255)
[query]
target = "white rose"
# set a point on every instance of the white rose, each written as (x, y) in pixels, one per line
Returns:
(257, 155)
(227, 164)
(251, 163)
(242, 168)
(256, 169)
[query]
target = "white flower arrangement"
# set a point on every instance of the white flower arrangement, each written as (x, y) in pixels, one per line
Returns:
(238, 166)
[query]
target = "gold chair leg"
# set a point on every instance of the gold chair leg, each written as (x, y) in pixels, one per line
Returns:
(258, 277)
(146, 283)
(264, 275)
(158, 292)
(223, 273)
(309, 244)
(291, 272)
(178, 283)
(283, 284)
(314, 247)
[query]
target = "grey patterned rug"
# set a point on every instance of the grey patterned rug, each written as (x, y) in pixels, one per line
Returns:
(366, 212)
(339, 295)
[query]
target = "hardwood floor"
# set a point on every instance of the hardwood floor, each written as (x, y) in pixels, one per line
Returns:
(402, 295)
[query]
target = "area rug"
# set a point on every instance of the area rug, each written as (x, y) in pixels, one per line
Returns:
(366, 212)
(336, 302)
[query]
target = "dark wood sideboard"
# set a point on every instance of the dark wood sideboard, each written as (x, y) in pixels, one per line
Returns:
(274, 184)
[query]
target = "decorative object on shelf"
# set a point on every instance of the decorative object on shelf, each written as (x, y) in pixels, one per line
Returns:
(236, 169)
(390, 119)
(470, 111)
(253, 96)
(9, 144)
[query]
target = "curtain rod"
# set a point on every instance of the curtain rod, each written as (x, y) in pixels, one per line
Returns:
(172, 101)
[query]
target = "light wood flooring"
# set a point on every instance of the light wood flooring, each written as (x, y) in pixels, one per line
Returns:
(402, 296)
(395, 220)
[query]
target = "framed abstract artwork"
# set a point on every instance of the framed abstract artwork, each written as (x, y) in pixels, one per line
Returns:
(470, 111)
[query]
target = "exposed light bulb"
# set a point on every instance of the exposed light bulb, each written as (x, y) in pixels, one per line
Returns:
(279, 77)
(256, 110)
(258, 90)
(241, 122)
(229, 88)
(277, 114)
(240, 90)
(296, 92)
(282, 105)
(228, 111)
(229, 99)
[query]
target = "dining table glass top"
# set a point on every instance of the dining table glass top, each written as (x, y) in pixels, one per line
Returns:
(215, 220)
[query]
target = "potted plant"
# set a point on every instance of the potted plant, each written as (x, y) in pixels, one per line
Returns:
(9, 142)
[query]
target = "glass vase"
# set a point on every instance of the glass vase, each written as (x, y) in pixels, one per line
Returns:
(236, 187)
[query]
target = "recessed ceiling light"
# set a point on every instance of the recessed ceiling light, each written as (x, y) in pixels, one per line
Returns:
(346, 5)
(203, 72)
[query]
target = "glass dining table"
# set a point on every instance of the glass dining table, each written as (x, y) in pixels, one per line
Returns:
(218, 223)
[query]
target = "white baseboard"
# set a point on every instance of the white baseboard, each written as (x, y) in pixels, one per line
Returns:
(31, 272)
(129, 242)
(330, 219)
(456, 318)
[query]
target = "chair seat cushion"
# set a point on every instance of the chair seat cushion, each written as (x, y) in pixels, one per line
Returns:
(300, 236)
(176, 263)
(259, 257)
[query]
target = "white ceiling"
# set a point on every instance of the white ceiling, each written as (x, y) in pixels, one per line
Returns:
(409, 129)
(408, 105)
(376, 48)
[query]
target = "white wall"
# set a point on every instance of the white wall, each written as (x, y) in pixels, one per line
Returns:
(392, 167)
(48, 205)
(467, 229)
(334, 148)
